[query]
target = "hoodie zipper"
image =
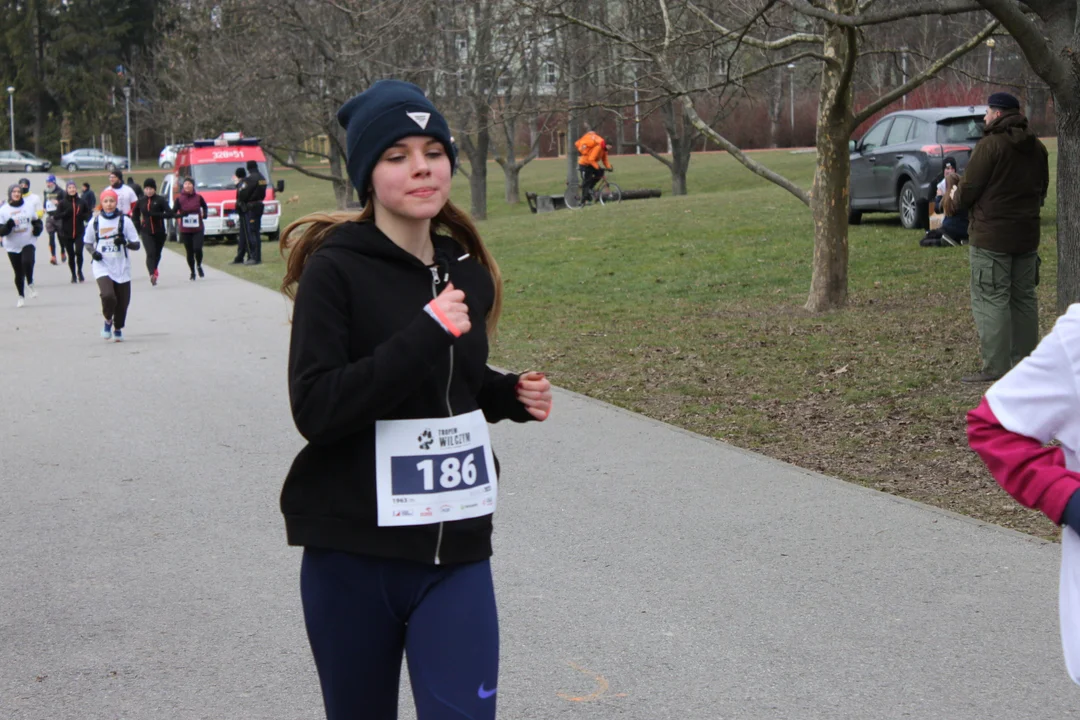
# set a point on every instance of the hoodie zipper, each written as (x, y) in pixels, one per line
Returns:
(449, 409)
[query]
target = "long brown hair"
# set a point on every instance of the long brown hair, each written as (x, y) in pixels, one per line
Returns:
(948, 204)
(303, 237)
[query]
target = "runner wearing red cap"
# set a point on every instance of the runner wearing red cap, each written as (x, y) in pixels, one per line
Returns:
(109, 237)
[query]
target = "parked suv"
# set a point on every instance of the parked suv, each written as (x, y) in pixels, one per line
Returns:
(897, 164)
(92, 159)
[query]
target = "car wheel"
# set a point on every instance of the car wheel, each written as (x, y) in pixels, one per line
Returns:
(110, 166)
(913, 211)
(166, 165)
(854, 217)
(72, 167)
(274, 237)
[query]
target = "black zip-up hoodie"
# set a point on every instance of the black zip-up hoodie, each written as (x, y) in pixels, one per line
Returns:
(152, 214)
(363, 349)
(71, 216)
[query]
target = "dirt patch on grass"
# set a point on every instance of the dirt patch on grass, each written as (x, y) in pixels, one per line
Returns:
(871, 395)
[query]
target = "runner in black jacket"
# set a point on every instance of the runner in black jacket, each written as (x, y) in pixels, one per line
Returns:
(393, 495)
(70, 218)
(153, 209)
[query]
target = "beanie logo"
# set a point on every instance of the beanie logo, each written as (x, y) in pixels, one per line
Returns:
(420, 118)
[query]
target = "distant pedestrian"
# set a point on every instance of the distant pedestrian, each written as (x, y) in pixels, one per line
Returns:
(49, 201)
(110, 236)
(242, 246)
(153, 210)
(125, 196)
(1003, 187)
(254, 193)
(71, 217)
(19, 228)
(89, 198)
(190, 210)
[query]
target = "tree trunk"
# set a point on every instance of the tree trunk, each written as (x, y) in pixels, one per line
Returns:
(829, 194)
(341, 184)
(512, 171)
(678, 180)
(1068, 214)
(478, 171)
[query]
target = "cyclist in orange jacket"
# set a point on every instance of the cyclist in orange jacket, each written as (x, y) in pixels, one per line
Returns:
(592, 150)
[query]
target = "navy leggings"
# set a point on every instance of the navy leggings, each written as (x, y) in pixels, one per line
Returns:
(363, 612)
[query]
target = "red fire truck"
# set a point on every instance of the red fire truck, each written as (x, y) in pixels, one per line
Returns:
(212, 164)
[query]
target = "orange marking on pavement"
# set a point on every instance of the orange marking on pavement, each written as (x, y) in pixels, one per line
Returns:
(601, 686)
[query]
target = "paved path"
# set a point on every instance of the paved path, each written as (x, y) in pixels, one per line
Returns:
(643, 572)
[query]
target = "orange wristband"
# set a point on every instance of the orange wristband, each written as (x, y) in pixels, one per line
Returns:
(441, 316)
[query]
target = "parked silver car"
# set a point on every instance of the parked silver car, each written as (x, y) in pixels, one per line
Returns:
(92, 159)
(22, 160)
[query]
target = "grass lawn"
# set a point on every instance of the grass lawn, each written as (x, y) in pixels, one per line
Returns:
(690, 310)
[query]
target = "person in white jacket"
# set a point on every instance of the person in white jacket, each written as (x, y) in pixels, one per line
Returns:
(108, 238)
(125, 196)
(19, 227)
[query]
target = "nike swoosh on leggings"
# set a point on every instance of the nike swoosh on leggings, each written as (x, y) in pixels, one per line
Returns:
(485, 694)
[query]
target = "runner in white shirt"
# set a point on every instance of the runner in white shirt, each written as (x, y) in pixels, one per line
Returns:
(19, 226)
(109, 237)
(125, 196)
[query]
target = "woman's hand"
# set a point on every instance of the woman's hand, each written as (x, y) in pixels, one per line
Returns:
(451, 302)
(534, 392)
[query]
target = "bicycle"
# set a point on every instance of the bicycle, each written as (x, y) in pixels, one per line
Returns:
(603, 192)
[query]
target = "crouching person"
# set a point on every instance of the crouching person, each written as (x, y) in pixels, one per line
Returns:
(109, 238)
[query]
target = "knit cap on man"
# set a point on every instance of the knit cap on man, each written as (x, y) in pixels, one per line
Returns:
(380, 116)
(1003, 101)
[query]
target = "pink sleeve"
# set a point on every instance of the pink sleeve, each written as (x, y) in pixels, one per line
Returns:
(1029, 471)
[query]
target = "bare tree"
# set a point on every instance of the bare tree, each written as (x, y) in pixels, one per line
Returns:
(839, 24)
(279, 70)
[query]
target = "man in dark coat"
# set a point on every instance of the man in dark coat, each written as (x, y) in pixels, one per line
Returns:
(250, 195)
(1004, 186)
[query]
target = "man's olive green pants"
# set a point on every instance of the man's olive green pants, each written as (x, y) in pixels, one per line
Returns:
(1005, 307)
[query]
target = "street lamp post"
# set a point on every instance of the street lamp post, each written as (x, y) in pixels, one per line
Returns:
(127, 121)
(990, 58)
(903, 74)
(791, 85)
(11, 114)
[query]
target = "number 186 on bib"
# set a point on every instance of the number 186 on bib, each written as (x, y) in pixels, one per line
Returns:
(423, 474)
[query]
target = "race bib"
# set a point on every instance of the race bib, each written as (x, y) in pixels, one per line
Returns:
(22, 222)
(434, 470)
(190, 221)
(50, 206)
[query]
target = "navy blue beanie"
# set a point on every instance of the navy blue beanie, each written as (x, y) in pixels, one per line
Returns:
(377, 118)
(1003, 101)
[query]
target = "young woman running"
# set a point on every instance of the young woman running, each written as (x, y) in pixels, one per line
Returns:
(19, 228)
(189, 208)
(49, 204)
(153, 209)
(70, 217)
(109, 237)
(392, 498)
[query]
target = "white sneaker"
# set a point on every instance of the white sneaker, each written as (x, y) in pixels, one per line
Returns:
(20, 303)
(33, 291)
